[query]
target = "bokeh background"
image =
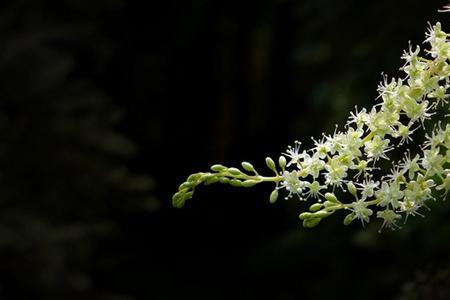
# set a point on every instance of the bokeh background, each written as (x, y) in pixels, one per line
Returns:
(106, 106)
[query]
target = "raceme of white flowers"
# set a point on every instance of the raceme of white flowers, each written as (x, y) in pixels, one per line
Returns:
(345, 163)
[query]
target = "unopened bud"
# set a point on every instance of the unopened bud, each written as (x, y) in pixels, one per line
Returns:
(315, 207)
(305, 216)
(247, 166)
(310, 223)
(321, 214)
(249, 183)
(234, 171)
(352, 189)
(218, 168)
(282, 162)
(349, 218)
(235, 182)
(331, 197)
(270, 164)
(273, 196)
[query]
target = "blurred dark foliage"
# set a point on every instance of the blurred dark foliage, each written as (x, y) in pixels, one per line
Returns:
(64, 173)
(105, 106)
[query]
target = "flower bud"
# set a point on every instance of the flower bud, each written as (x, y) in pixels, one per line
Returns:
(186, 186)
(224, 180)
(321, 214)
(211, 180)
(249, 183)
(273, 196)
(177, 200)
(329, 203)
(194, 177)
(247, 166)
(331, 197)
(234, 171)
(218, 168)
(310, 223)
(315, 207)
(282, 162)
(351, 188)
(305, 216)
(236, 182)
(270, 164)
(349, 218)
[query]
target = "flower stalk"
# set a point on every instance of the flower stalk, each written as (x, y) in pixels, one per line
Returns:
(347, 162)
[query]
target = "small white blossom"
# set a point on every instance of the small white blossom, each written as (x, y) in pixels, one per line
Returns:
(293, 184)
(367, 188)
(389, 219)
(377, 147)
(361, 212)
(432, 161)
(410, 165)
(314, 189)
(336, 171)
(389, 194)
(410, 208)
(293, 153)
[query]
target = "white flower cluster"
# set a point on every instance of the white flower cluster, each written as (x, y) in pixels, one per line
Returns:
(347, 161)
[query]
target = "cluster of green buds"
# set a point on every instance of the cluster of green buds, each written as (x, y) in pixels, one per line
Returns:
(342, 171)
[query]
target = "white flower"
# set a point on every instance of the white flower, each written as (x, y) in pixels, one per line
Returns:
(336, 171)
(396, 174)
(361, 212)
(314, 189)
(410, 165)
(293, 153)
(389, 194)
(367, 188)
(410, 208)
(358, 118)
(377, 147)
(432, 161)
(445, 185)
(293, 184)
(382, 122)
(351, 142)
(312, 165)
(389, 219)
(417, 192)
(404, 132)
(415, 110)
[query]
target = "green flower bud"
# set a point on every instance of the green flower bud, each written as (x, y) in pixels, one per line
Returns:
(282, 162)
(321, 214)
(179, 199)
(328, 204)
(224, 180)
(194, 177)
(270, 164)
(249, 183)
(218, 168)
(305, 216)
(352, 189)
(349, 218)
(211, 180)
(331, 197)
(186, 186)
(188, 195)
(315, 207)
(234, 171)
(310, 223)
(247, 166)
(273, 196)
(235, 182)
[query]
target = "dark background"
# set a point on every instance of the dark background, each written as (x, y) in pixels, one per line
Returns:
(106, 106)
